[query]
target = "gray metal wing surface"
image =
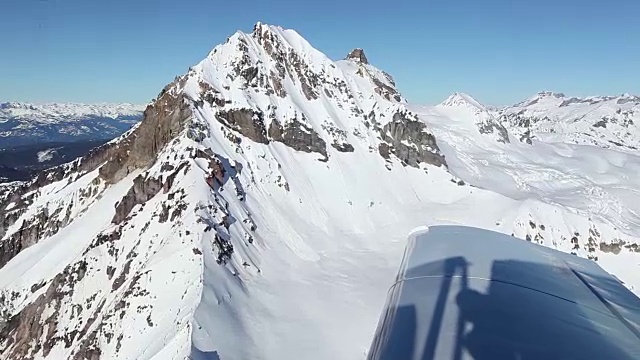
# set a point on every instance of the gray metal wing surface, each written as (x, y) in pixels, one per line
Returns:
(468, 293)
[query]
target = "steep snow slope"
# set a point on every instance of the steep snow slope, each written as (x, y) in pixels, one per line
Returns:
(24, 123)
(605, 121)
(259, 212)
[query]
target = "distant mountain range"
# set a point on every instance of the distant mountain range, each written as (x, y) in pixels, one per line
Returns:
(25, 124)
(603, 121)
(34, 137)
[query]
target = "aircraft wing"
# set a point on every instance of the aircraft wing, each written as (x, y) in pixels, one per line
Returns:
(468, 293)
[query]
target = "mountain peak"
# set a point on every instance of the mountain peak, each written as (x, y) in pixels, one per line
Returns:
(465, 107)
(461, 99)
(357, 54)
(546, 94)
(260, 28)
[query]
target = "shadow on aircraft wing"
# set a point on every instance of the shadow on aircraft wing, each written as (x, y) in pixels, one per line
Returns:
(485, 306)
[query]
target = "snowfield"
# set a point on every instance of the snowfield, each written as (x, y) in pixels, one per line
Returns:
(272, 222)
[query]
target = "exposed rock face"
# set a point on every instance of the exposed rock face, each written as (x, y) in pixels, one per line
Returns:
(163, 120)
(286, 61)
(407, 138)
(522, 122)
(493, 126)
(8, 218)
(143, 190)
(44, 222)
(357, 55)
(41, 225)
(338, 137)
(344, 147)
(216, 169)
(526, 137)
(23, 194)
(245, 121)
(386, 91)
(210, 95)
(298, 136)
(617, 246)
(18, 335)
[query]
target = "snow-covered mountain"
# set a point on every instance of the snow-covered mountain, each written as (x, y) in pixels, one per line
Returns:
(261, 207)
(464, 107)
(24, 123)
(605, 121)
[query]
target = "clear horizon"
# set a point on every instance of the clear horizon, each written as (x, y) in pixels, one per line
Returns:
(496, 51)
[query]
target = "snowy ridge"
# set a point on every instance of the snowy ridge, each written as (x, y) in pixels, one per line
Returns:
(277, 72)
(604, 121)
(265, 199)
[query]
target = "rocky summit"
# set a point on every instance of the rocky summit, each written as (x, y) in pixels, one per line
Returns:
(357, 55)
(262, 203)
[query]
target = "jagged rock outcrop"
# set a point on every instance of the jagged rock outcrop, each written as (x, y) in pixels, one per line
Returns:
(493, 126)
(287, 61)
(216, 169)
(357, 54)
(46, 221)
(42, 224)
(162, 122)
(18, 335)
(408, 139)
(245, 121)
(343, 147)
(526, 137)
(211, 95)
(142, 190)
(298, 136)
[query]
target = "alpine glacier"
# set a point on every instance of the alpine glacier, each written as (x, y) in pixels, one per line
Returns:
(259, 211)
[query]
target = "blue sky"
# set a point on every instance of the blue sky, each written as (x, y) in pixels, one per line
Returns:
(499, 51)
